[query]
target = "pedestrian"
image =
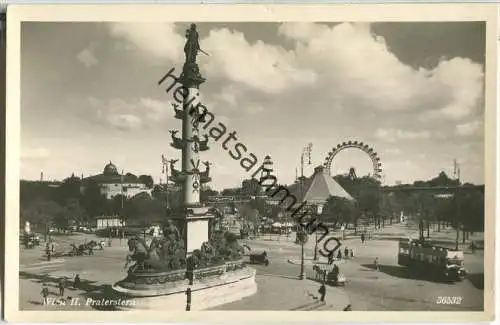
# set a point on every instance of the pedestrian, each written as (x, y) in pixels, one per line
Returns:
(346, 252)
(375, 263)
(339, 255)
(91, 250)
(335, 272)
(352, 253)
(322, 292)
(330, 258)
(188, 299)
(76, 282)
(362, 238)
(47, 251)
(62, 285)
(45, 294)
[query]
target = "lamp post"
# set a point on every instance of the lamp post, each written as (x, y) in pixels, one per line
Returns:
(302, 275)
(306, 153)
(456, 171)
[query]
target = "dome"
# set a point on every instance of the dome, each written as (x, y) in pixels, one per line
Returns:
(110, 169)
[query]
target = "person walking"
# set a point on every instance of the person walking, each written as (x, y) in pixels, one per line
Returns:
(339, 255)
(45, 294)
(346, 252)
(362, 238)
(48, 252)
(331, 258)
(352, 253)
(375, 263)
(76, 282)
(322, 292)
(335, 272)
(62, 285)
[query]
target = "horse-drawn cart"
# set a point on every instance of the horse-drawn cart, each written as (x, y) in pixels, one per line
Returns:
(330, 275)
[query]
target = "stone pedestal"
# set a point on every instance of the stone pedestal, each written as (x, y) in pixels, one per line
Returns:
(170, 294)
(195, 224)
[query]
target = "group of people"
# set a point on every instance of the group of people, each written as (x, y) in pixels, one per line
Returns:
(348, 253)
(61, 285)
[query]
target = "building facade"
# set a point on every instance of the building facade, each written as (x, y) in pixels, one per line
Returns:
(112, 183)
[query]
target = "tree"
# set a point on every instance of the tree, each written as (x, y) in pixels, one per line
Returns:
(147, 180)
(250, 187)
(207, 192)
(249, 215)
(338, 209)
(41, 213)
(143, 210)
(93, 201)
(69, 189)
(260, 205)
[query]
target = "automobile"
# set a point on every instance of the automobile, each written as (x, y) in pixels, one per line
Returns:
(84, 229)
(259, 258)
(31, 240)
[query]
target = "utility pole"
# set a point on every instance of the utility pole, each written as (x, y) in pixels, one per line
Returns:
(306, 153)
(456, 172)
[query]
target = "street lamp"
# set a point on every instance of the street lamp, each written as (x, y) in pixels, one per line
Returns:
(302, 237)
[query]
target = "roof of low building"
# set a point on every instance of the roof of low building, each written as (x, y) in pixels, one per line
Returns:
(110, 175)
(318, 188)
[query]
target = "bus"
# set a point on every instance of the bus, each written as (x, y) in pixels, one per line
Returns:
(432, 260)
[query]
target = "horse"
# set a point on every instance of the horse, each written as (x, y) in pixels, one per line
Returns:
(319, 274)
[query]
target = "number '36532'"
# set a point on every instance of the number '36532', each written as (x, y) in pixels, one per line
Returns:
(447, 300)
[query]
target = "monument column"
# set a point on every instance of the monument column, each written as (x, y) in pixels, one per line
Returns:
(191, 186)
(192, 218)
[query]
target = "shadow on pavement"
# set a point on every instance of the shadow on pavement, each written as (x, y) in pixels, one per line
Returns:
(85, 285)
(477, 280)
(404, 273)
(105, 293)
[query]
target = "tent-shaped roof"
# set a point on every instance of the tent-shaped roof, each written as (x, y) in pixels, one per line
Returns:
(318, 188)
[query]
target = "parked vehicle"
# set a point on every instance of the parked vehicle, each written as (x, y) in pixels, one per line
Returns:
(31, 240)
(259, 258)
(436, 261)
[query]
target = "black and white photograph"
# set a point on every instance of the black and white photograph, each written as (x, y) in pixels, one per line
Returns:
(279, 165)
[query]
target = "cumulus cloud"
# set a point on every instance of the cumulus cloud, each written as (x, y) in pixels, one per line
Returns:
(474, 128)
(129, 115)
(393, 135)
(158, 39)
(346, 64)
(362, 71)
(264, 67)
(87, 58)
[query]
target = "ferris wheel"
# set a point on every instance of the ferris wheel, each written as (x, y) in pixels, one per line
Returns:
(377, 165)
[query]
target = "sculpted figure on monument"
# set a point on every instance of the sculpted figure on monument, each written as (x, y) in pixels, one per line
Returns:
(172, 169)
(192, 45)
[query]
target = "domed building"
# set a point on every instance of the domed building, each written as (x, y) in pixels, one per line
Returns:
(112, 183)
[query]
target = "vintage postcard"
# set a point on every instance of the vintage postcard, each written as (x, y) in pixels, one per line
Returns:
(199, 163)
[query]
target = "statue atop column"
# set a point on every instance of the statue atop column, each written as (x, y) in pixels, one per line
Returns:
(192, 45)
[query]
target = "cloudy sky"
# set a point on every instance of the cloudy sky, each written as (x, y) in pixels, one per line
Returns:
(413, 91)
